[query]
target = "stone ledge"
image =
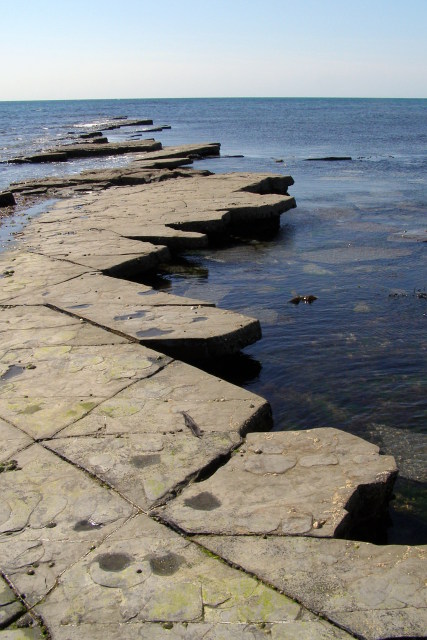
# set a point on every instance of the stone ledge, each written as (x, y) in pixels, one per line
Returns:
(318, 482)
(374, 592)
(110, 411)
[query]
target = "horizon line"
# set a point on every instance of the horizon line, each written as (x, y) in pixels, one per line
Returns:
(221, 98)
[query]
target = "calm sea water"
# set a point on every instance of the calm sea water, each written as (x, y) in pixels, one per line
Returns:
(356, 358)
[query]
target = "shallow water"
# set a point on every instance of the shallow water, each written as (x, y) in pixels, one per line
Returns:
(356, 358)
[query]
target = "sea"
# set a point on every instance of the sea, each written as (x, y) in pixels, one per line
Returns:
(356, 357)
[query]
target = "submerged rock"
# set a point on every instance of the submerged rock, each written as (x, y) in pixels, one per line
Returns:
(91, 134)
(330, 159)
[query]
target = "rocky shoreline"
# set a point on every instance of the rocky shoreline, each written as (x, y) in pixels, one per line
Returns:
(141, 496)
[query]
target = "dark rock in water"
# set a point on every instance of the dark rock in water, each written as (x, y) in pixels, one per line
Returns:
(34, 192)
(236, 156)
(330, 159)
(306, 299)
(126, 123)
(7, 199)
(93, 148)
(102, 140)
(153, 129)
(119, 118)
(91, 134)
(48, 156)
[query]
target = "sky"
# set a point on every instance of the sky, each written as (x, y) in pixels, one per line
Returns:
(81, 49)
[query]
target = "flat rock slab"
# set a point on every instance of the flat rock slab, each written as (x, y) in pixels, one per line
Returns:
(214, 405)
(94, 288)
(206, 204)
(160, 234)
(118, 123)
(143, 173)
(27, 327)
(181, 327)
(197, 150)
(300, 630)
(24, 273)
(183, 332)
(146, 470)
(143, 441)
(373, 592)
(89, 150)
(12, 440)
(197, 203)
(33, 633)
(99, 249)
(145, 573)
(51, 514)
(313, 482)
(10, 607)
(44, 389)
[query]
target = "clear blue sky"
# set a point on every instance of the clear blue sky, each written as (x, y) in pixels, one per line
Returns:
(59, 49)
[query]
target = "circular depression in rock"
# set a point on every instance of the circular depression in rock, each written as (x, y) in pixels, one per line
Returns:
(113, 561)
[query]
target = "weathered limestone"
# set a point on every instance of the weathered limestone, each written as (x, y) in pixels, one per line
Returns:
(94, 232)
(140, 171)
(200, 204)
(100, 249)
(144, 573)
(22, 634)
(95, 428)
(89, 150)
(372, 591)
(51, 514)
(37, 326)
(182, 327)
(118, 123)
(299, 630)
(132, 174)
(94, 288)
(25, 273)
(10, 607)
(101, 147)
(198, 150)
(44, 389)
(55, 369)
(183, 332)
(140, 443)
(320, 482)
(12, 440)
